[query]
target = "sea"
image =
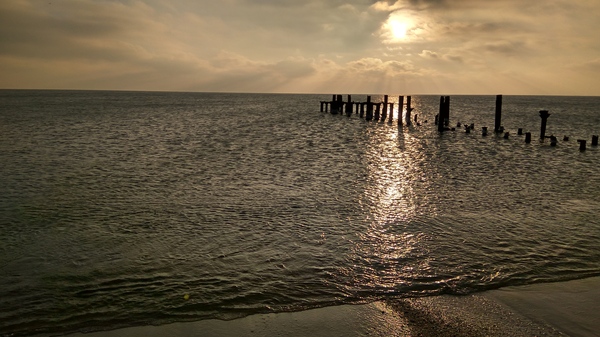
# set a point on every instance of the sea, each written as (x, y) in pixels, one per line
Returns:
(123, 209)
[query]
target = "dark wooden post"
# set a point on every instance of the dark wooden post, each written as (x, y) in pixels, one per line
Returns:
(544, 114)
(440, 119)
(391, 113)
(447, 112)
(595, 140)
(362, 110)
(385, 108)
(408, 109)
(377, 109)
(333, 108)
(369, 115)
(349, 106)
(483, 130)
(400, 109)
(528, 137)
(498, 113)
(581, 144)
(520, 131)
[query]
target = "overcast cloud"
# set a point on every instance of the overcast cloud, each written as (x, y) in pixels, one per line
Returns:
(360, 46)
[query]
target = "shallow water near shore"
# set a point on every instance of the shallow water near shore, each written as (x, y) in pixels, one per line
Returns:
(116, 205)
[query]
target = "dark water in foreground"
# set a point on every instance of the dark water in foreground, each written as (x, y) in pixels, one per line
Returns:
(116, 205)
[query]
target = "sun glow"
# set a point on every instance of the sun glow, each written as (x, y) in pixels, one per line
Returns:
(398, 29)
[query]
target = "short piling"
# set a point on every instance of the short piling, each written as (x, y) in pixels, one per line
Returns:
(528, 137)
(581, 144)
(483, 130)
(520, 131)
(595, 140)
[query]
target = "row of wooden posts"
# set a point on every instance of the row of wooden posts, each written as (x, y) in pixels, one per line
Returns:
(369, 110)
(379, 112)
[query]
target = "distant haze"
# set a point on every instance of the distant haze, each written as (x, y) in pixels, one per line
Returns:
(548, 47)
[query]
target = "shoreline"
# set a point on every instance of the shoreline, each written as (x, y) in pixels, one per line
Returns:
(547, 309)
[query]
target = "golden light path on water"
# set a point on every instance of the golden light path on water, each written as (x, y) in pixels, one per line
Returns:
(396, 163)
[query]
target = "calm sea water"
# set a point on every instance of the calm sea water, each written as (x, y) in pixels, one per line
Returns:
(134, 208)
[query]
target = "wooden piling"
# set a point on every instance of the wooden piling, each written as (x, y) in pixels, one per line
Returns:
(391, 113)
(520, 131)
(369, 115)
(544, 115)
(333, 105)
(408, 109)
(528, 137)
(400, 109)
(385, 108)
(498, 119)
(349, 106)
(595, 140)
(362, 110)
(581, 144)
(483, 130)
(444, 113)
(447, 112)
(506, 134)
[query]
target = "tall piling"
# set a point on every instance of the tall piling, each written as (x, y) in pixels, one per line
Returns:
(377, 110)
(369, 115)
(385, 108)
(498, 119)
(544, 115)
(349, 106)
(447, 112)
(333, 105)
(391, 113)
(408, 109)
(444, 113)
(400, 109)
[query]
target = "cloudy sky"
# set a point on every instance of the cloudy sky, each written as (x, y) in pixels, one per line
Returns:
(549, 47)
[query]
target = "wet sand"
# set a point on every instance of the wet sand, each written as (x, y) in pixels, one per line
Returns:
(551, 309)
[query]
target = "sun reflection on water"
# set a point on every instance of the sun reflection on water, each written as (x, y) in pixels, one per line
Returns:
(392, 250)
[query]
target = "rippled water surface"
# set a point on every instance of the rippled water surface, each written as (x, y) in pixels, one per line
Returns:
(116, 205)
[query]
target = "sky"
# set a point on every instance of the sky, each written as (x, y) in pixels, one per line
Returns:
(512, 47)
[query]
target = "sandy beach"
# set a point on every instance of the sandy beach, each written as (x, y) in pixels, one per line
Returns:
(548, 309)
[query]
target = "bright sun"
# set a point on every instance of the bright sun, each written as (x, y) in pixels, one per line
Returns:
(398, 29)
